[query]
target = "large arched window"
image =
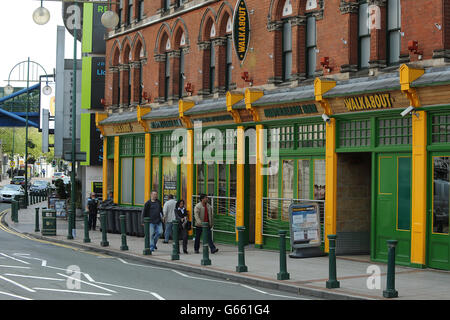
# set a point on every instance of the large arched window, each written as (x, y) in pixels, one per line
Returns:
(115, 86)
(208, 57)
(126, 76)
(287, 50)
(224, 45)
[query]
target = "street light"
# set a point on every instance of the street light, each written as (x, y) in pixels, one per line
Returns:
(109, 20)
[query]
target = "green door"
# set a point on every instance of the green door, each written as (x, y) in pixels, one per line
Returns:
(439, 240)
(393, 206)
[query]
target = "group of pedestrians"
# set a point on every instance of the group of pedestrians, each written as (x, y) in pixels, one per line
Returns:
(176, 210)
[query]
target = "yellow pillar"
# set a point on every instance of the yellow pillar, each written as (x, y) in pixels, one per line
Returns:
(105, 168)
(190, 175)
(419, 188)
(259, 186)
(419, 165)
(116, 169)
(240, 177)
(330, 181)
(148, 166)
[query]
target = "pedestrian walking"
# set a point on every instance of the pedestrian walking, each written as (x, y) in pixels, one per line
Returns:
(184, 225)
(153, 210)
(92, 207)
(169, 216)
(203, 213)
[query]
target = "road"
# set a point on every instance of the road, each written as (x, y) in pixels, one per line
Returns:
(32, 269)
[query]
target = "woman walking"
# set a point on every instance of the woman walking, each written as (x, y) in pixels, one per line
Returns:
(184, 223)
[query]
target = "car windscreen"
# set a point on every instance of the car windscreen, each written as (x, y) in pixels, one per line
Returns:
(39, 183)
(11, 187)
(57, 174)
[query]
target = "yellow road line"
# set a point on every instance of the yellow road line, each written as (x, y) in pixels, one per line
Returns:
(10, 231)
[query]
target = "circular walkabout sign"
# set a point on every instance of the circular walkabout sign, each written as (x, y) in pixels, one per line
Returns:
(241, 29)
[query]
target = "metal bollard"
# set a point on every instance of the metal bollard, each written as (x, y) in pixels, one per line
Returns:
(176, 245)
(205, 261)
(86, 227)
(123, 231)
(13, 210)
(283, 274)
(332, 279)
(390, 291)
(104, 242)
(16, 212)
(241, 267)
(69, 224)
(36, 227)
(147, 250)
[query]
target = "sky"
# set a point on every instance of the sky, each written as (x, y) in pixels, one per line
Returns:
(21, 37)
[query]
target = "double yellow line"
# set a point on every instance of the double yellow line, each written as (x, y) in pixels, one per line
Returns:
(10, 231)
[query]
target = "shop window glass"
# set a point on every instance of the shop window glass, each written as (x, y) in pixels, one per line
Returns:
(303, 179)
(155, 175)
(440, 129)
(184, 182)
(441, 194)
(200, 179)
(127, 181)
(169, 178)
(221, 207)
(288, 187)
(319, 179)
(287, 51)
(395, 131)
(354, 133)
(139, 180)
(272, 193)
(311, 46)
(211, 179)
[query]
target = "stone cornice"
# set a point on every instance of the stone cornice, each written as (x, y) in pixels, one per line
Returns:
(161, 57)
(348, 7)
(275, 26)
(204, 45)
(379, 3)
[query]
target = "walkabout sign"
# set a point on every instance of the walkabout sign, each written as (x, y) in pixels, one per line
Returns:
(241, 29)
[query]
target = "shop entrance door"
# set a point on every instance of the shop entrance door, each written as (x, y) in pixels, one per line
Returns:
(439, 239)
(392, 206)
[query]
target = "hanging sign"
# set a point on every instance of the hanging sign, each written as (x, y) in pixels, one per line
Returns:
(241, 29)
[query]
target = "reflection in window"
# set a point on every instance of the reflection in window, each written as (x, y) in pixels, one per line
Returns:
(319, 179)
(211, 179)
(272, 193)
(139, 180)
(127, 180)
(303, 179)
(441, 180)
(288, 187)
(155, 175)
(200, 179)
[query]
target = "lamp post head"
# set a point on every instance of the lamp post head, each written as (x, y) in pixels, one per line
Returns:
(41, 15)
(110, 19)
(8, 89)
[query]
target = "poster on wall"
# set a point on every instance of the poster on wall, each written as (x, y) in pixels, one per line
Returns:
(169, 178)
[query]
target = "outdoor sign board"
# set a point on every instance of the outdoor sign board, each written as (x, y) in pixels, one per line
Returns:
(60, 208)
(47, 102)
(241, 29)
(304, 218)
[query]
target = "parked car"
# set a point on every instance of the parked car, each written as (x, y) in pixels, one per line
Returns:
(20, 180)
(57, 175)
(10, 191)
(39, 186)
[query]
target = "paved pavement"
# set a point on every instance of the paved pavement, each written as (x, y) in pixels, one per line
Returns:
(307, 276)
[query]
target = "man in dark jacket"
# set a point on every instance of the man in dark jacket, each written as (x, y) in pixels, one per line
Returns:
(92, 207)
(153, 210)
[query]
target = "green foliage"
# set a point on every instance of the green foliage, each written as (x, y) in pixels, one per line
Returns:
(34, 142)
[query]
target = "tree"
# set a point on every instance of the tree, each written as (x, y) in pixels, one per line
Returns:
(34, 144)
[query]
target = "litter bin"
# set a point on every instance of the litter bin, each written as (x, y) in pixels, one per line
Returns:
(110, 220)
(116, 214)
(139, 228)
(48, 222)
(129, 215)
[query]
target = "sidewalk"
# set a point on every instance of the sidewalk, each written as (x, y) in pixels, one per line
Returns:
(307, 276)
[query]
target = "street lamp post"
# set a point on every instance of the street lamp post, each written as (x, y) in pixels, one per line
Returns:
(109, 19)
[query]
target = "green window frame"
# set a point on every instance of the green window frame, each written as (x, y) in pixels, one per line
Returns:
(355, 133)
(131, 149)
(110, 148)
(440, 128)
(394, 131)
(297, 136)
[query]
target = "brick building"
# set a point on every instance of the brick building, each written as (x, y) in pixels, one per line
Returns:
(327, 80)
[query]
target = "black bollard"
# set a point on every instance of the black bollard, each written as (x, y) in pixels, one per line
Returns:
(86, 227)
(283, 274)
(390, 291)
(104, 242)
(123, 232)
(332, 280)
(205, 261)
(36, 227)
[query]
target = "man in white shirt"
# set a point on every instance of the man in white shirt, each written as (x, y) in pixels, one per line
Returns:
(169, 216)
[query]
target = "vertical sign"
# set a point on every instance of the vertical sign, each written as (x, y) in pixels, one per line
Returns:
(241, 29)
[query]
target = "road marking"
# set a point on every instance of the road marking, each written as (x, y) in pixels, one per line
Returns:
(18, 267)
(5, 255)
(88, 277)
(15, 296)
(254, 289)
(115, 285)
(85, 282)
(157, 296)
(141, 265)
(43, 264)
(17, 284)
(272, 294)
(33, 277)
(73, 291)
